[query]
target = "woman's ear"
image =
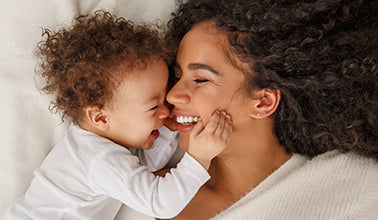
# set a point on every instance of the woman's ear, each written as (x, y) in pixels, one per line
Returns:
(266, 104)
(97, 117)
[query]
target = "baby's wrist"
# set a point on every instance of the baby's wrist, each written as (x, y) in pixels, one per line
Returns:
(205, 162)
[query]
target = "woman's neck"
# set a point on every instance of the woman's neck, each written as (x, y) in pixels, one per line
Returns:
(251, 157)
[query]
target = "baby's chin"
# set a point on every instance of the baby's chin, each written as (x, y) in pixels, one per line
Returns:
(148, 145)
(150, 140)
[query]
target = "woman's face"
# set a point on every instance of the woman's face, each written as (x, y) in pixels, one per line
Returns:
(207, 81)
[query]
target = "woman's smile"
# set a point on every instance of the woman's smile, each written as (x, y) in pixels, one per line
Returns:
(186, 122)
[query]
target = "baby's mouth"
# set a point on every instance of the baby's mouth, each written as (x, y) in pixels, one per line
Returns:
(187, 120)
(155, 134)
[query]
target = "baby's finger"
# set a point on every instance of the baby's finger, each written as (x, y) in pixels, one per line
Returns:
(221, 123)
(213, 123)
(227, 129)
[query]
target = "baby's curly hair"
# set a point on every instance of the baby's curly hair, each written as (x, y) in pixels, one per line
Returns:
(321, 55)
(79, 63)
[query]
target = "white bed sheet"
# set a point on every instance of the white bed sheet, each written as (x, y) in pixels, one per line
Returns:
(27, 129)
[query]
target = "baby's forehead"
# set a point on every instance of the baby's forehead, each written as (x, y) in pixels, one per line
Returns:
(131, 68)
(146, 80)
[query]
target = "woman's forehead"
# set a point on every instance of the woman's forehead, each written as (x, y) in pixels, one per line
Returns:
(207, 43)
(203, 40)
(206, 29)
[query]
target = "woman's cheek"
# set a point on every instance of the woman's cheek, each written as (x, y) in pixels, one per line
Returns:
(206, 107)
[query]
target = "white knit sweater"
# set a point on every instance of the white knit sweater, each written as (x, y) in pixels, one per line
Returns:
(330, 186)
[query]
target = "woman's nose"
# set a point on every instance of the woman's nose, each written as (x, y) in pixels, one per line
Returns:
(178, 94)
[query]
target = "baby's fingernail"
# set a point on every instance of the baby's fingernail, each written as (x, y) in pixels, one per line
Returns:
(224, 113)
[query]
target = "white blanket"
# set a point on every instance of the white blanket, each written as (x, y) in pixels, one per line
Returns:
(27, 129)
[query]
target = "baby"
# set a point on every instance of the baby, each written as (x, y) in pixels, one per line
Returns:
(109, 77)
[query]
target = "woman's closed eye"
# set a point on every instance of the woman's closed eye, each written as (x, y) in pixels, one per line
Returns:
(200, 80)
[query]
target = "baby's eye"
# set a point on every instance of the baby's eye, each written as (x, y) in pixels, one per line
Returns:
(199, 80)
(154, 108)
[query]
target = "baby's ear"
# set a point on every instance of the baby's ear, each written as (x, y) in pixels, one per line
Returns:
(97, 117)
(266, 104)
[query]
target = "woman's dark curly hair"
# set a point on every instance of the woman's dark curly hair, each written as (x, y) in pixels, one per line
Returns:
(321, 55)
(79, 64)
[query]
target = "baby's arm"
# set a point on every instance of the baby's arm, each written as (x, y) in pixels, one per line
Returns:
(207, 142)
(120, 176)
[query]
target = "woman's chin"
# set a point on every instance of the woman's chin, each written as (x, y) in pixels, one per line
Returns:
(184, 141)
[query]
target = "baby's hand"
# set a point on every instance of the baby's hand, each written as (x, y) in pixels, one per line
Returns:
(207, 142)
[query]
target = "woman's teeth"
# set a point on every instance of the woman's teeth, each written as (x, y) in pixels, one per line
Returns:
(187, 119)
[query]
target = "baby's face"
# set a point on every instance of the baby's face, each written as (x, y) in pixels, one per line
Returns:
(138, 109)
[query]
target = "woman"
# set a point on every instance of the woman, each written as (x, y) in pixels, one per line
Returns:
(299, 81)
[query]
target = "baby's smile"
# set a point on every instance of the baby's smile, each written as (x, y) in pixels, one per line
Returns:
(155, 134)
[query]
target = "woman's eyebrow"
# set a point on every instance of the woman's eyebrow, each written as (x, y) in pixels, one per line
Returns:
(197, 66)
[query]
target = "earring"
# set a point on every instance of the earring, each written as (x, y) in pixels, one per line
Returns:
(258, 113)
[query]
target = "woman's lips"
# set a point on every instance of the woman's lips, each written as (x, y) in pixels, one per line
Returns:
(185, 128)
(185, 123)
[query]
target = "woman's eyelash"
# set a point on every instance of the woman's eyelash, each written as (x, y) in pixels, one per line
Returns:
(200, 80)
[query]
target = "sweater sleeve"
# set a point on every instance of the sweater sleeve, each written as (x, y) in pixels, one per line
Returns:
(161, 152)
(119, 175)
